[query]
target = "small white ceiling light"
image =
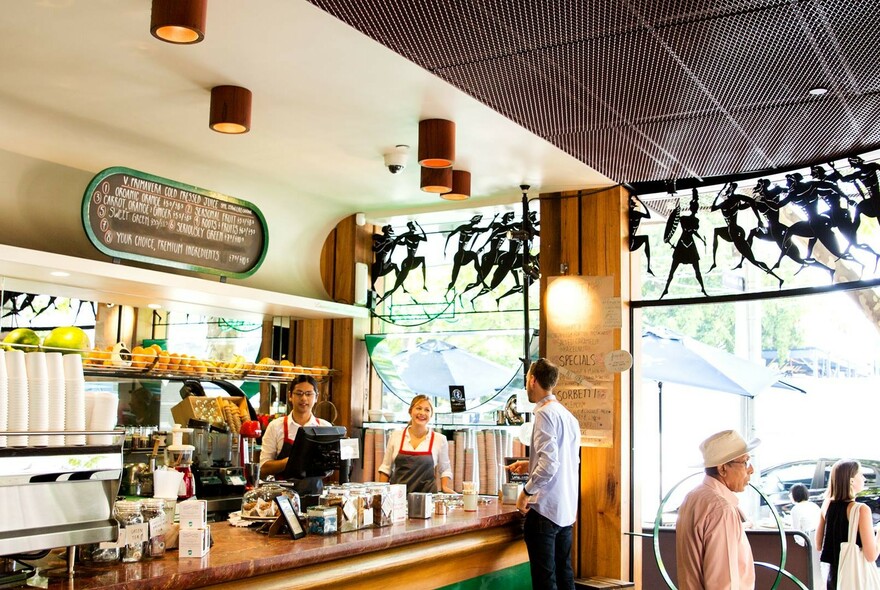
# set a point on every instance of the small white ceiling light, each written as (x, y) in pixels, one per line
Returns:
(59, 273)
(818, 91)
(154, 306)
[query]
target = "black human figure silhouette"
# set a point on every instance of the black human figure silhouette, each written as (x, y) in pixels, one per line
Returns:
(410, 240)
(730, 203)
(383, 244)
(685, 249)
(766, 200)
(518, 258)
(840, 218)
(817, 226)
(492, 256)
(637, 212)
(866, 174)
(465, 254)
(509, 260)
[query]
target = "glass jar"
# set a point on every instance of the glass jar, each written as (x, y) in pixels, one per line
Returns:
(133, 531)
(99, 552)
(153, 511)
(259, 503)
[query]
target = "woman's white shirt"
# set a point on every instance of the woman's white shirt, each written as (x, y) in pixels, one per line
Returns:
(440, 451)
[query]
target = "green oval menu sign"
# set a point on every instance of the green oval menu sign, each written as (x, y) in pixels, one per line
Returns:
(137, 216)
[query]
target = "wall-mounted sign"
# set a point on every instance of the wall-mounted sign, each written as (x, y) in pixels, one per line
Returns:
(137, 216)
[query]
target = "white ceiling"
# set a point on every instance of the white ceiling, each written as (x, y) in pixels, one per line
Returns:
(84, 84)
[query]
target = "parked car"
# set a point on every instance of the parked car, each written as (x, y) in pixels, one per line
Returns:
(776, 481)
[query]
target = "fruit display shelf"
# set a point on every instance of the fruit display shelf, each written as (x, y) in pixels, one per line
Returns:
(256, 374)
(183, 367)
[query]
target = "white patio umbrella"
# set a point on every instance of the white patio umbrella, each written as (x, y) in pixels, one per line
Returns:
(673, 358)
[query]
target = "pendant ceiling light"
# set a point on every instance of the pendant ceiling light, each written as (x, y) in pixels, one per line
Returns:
(436, 180)
(230, 109)
(436, 143)
(179, 21)
(461, 186)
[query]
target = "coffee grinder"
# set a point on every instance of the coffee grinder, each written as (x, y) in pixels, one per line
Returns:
(205, 471)
(180, 457)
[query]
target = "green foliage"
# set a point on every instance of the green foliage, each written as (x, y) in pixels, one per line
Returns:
(780, 326)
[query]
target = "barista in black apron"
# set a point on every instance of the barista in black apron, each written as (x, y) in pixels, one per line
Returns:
(415, 469)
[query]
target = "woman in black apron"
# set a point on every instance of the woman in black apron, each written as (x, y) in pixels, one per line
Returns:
(414, 452)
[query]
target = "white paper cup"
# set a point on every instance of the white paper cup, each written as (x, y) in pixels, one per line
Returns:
(57, 404)
(38, 410)
(75, 411)
(15, 367)
(4, 408)
(101, 415)
(35, 365)
(73, 368)
(54, 366)
(17, 404)
(166, 482)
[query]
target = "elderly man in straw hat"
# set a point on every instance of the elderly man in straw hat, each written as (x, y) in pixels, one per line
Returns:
(712, 552)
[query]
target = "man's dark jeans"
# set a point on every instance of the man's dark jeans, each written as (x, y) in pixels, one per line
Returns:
(549, 547)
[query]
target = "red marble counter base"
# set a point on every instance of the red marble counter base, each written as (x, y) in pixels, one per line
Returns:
(242, 553)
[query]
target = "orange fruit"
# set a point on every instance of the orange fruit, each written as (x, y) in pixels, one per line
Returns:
(286, 367)
(266, 366)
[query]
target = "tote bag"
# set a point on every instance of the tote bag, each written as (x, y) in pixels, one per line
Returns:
(854, 572)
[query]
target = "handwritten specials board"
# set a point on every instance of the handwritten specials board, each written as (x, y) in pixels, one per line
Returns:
(137, 216)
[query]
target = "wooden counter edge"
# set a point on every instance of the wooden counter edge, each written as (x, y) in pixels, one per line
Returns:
(429, 564)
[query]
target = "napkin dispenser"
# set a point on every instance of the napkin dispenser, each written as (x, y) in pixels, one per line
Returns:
(420, 505)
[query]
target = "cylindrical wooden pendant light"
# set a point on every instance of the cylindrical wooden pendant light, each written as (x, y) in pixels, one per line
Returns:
(230, 109)
(179, 21)
(436, 143)
(436, 180)
(461, 186)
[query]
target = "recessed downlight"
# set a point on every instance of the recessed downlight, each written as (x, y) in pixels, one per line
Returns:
(154, 306)
(59, 273)
(818, 91)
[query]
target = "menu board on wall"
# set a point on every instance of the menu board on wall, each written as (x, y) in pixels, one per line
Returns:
(137, 216)
(579, 336)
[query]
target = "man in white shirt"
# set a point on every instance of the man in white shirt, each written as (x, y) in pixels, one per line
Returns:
(279, 435)
(549, 498)
(804, 514)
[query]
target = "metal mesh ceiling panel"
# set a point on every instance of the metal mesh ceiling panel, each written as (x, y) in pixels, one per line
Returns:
(648, 91)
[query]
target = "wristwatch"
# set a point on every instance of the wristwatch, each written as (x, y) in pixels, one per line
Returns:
(526, 492)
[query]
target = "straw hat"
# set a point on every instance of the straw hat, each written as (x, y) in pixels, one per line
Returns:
(725, 446)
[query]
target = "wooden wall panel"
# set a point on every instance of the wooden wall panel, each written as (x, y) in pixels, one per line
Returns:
(588, 232)
(338, 344)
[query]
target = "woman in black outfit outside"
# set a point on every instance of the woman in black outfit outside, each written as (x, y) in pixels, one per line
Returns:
(845, 482)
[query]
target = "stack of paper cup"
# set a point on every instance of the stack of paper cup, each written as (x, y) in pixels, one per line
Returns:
(55, 374)
(17, 390)
(38, 397)
(74, 398)
(4, 399)
(101, 407)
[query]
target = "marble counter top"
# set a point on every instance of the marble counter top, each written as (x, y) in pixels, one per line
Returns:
(243, 553)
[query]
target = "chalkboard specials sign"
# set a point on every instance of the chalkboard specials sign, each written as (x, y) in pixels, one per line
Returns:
(137, 216)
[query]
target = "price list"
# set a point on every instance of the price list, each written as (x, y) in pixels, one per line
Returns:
(138, 216)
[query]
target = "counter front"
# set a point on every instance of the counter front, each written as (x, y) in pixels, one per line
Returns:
(428, 553)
